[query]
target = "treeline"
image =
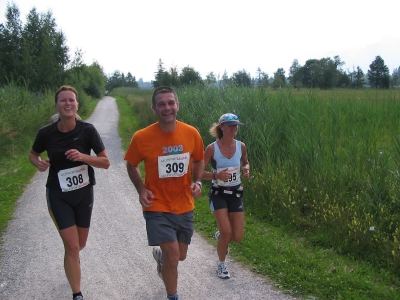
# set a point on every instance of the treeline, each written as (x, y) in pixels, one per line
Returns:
(325, 73)
(35, 55)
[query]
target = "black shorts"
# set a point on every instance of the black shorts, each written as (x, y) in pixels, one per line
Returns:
(165, 227)
(70, 208)
(218, 200)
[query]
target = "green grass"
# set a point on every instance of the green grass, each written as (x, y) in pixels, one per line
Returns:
(15, 174)
(295, 266)
(127, 123)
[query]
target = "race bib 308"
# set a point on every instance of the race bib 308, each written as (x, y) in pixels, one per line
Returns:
(73, 178)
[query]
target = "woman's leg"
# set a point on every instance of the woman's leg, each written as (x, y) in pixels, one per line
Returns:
(74, 239)
(236, 220)
(225, 230)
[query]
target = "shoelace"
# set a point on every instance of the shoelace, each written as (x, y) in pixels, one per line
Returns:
(222, 268)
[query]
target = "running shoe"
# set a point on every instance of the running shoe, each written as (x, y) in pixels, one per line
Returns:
(222, 270)
(217, 237)
(78, 297)
(157, 254)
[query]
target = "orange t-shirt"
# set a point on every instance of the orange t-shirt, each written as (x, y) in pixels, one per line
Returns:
(167, 156)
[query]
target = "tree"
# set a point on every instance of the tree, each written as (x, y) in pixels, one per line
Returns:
(262, 79)
(174, 76)
(358, 78)
(160, 75)
(130, 81)
(96, 80)
(279, 79)
(343, 79)
(241, 78)
(12, 44)
(31, 46)
(395, 78)
(210, 78)
(115, 80)
(311, 72)
(2, 53)
(225, 81)
(378, 74)
(325, 73)
(77, 61)
(75, 74)
(331, 73)
(54, 55)
(91, 78)
(35, 54)
(295, 74)
(338, 62)
(189, 76)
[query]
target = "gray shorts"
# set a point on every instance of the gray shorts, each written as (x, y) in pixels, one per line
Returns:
(168, 227)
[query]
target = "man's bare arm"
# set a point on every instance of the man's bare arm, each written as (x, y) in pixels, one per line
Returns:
(145, 196)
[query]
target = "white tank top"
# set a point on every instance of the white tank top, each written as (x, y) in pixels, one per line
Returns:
(233, 165)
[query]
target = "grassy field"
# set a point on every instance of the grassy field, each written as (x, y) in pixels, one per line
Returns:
(322, 208)
(315, 148)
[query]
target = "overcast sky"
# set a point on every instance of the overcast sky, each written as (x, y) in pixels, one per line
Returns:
(223, 35)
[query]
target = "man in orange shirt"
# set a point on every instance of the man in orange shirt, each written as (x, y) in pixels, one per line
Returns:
(173, 153)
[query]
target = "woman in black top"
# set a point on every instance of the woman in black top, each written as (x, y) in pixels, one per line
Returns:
(69, 187)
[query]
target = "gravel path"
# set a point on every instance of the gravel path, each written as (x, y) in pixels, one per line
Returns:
(116, 263)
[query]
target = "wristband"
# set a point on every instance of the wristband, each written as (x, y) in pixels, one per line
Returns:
(199, 183)
(213, 176)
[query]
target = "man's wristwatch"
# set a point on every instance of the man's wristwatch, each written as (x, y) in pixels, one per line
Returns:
(200, 184)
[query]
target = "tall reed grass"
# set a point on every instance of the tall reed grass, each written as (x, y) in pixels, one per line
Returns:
(22, 113)
(325, 163)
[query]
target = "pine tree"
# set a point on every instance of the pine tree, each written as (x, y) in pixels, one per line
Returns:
(378, 74)
(359, 78)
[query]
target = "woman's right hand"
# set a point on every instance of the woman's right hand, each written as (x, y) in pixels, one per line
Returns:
(43, 165)
(223, 175)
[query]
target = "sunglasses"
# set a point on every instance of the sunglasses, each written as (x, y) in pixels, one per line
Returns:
(228, 118)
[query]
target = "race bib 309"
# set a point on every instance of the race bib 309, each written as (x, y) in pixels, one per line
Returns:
(175, 165)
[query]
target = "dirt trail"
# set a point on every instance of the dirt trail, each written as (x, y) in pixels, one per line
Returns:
(116, 263)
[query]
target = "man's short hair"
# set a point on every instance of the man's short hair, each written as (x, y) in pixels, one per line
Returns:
(163, 90)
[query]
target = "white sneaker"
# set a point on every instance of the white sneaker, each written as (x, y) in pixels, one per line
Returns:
(157, 254)
(217, 236)
(222, 270)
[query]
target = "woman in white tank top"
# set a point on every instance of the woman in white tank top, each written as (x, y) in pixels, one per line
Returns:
(229, 161)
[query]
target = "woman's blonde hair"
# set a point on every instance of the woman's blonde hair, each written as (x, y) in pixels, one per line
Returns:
(216, 131)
